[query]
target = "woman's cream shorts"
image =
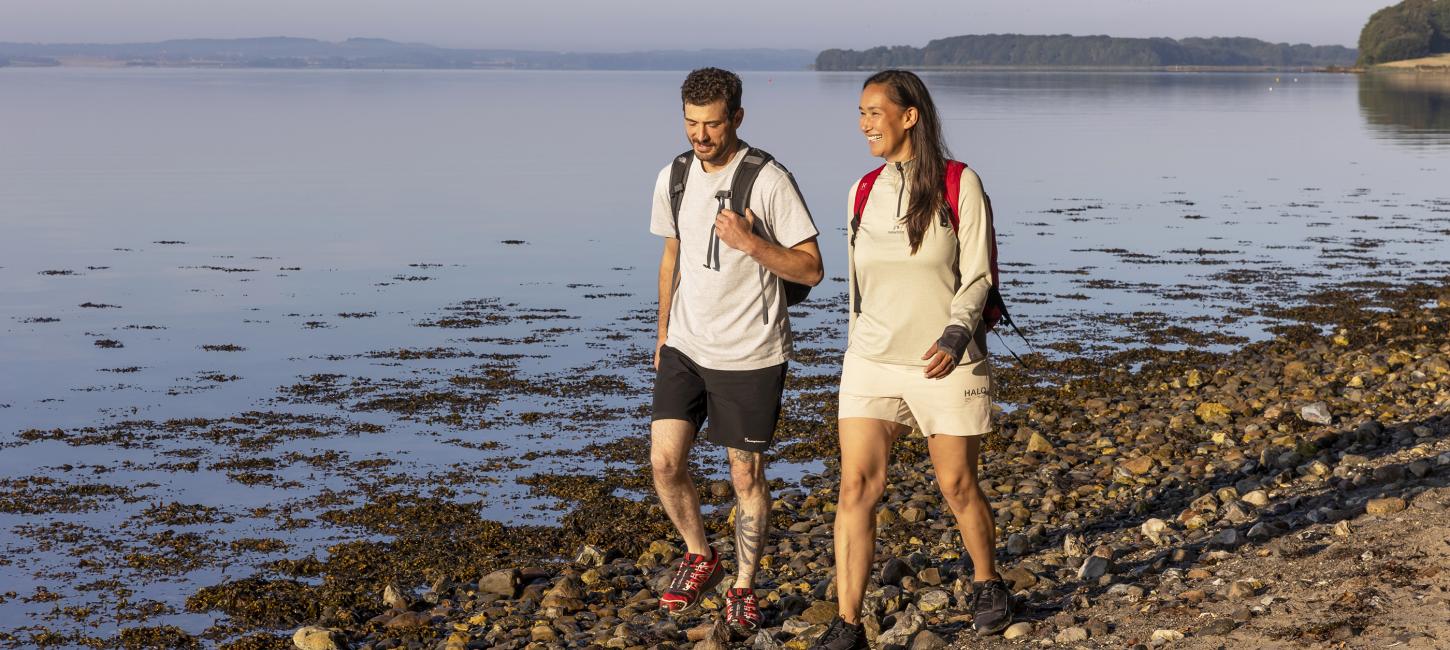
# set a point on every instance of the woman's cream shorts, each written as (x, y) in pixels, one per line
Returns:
(959, 404)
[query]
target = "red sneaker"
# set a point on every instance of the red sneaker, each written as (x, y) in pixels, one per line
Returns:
(694, 575)
(742, 612)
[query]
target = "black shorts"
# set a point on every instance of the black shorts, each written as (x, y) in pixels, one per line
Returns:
(742, 405)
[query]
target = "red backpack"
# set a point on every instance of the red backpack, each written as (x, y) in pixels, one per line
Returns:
(995, 310)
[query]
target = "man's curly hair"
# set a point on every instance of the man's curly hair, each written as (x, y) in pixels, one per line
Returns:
(708, 85)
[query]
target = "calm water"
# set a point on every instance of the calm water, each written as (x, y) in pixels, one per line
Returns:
(293, 196)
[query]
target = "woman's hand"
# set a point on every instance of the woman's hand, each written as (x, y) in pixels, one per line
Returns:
(940, 362)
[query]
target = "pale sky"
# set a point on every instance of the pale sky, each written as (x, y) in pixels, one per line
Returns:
(623, 25)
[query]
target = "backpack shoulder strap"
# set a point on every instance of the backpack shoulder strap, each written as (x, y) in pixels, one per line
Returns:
(679, 173)
(863, 192)
(745, 174)
(954, 190)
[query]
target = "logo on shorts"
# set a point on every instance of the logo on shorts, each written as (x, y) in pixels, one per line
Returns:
(755, 442)
(980, 391)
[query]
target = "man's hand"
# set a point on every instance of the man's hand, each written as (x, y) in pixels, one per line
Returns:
(658, 344)
(939, 362)
(736, 231)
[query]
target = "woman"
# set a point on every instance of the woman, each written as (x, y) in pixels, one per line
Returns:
(916, 357)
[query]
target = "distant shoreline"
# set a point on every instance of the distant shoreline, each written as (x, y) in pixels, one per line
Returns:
(1120, 68)
(228, 65)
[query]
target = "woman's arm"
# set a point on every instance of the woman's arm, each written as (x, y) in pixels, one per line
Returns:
(975, 272)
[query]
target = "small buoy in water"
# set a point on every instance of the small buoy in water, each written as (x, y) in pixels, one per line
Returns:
(1271, 89)
(1276, 80)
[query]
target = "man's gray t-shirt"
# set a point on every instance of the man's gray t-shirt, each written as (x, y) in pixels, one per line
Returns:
(733, 318)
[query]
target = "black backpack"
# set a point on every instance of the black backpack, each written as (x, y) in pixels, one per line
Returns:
(740, 187)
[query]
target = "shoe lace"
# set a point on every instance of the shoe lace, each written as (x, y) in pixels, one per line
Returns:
(743, 607)
(836, 631)
(689, 575)
(985, 593)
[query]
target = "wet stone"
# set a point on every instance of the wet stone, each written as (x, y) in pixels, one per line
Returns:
(590, 555)
(318, 638)
(504, 582)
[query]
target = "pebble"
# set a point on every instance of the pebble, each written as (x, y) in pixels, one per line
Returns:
(1227, 538)
(1020, 578)
(590, 555)
(1316, 413)
(932, 600)
(1342, 529)
(1093, 568)
(1153, 530)
(409, 619)
(1385, 506)
(928, 640)
(1017, 630)
(1139, 466)
(819, 613)
(907, 625)
(1039, 443)
(318, 638)
(1257, 498)
(1073, 546)
(1241, 589)
(1217, 627)
(1260, 532)
(1016, 544)
(894, 570)
(393, 597)
(1072, 634)
(1166, 636)
(504, 582)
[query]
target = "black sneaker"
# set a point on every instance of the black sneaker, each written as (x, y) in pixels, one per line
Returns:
(841, 635)
(991, 606)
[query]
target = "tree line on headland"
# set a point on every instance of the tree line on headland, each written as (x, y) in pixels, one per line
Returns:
(1087, 51)
(1409, 30)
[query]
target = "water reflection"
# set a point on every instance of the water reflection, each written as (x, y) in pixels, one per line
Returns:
(1407, 108)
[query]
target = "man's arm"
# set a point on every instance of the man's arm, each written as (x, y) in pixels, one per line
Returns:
(800, 263)
(669, 280)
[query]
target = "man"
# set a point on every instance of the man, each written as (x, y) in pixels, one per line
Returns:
(724, 333)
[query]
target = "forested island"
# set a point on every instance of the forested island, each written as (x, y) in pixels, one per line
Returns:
(377, 53)
(1412, 29)
(1088, 51)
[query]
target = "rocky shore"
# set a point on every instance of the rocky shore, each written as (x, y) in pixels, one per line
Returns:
(1292, 493)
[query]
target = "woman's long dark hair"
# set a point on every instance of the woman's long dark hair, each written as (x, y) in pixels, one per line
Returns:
(929, 151)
